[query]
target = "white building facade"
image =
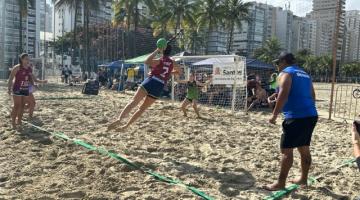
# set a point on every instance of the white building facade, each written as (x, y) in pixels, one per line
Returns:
(352, 39)
(324, 13)
(65, 17)
(9, 33)
(251, 36)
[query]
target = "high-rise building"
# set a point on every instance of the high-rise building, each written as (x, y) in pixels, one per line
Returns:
(46, 16)
(217, 41)
(251, 35)
(352, 38)
(278, 23)
(266, 22)
(303, 34)
(283, 27)
(10, 36)
(324, 12)
(3, 72)
(65, 17)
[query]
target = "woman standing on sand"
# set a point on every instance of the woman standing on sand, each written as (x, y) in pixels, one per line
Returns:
(192, 96)
(150, 90)
(19, 85)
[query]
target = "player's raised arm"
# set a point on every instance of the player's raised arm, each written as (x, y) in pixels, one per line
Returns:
(150, 60)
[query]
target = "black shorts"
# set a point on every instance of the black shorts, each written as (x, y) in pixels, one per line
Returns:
(153, 87)
(191, 99)
(24, 93)
(358, 162)
(297, 132)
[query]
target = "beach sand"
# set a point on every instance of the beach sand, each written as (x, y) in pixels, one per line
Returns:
(226, 157)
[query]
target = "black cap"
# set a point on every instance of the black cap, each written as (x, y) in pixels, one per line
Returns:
(288, 57)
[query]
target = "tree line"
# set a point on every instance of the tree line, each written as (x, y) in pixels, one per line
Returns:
(318, 66)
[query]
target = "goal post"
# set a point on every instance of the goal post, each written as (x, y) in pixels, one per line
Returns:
(222, 79)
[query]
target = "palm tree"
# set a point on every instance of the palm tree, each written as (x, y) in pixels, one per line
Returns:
(89, 5)
(128, 10)
(236, 12)
(23, 11)
(209, 15)
(178, 12)
(310, 64)
(325, 63)
(302, 56)
(269, 51)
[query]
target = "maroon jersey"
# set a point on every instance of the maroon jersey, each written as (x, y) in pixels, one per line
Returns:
(22, 79)
(163, 70)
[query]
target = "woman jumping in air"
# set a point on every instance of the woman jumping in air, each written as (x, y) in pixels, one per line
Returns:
(150, 90)
(192, 96)
(19, 82)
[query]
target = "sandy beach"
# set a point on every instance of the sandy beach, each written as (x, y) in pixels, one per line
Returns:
(226, 157)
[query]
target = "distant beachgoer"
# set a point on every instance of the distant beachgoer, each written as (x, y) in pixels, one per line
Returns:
(296, 99)
(251, 84)
(260, 96)
(273, 83)
(193, 92)
(356, 142)
(150, 90)
(19, 85)
(66, 74)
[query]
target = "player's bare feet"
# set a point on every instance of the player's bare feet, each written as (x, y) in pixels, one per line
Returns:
(113, 125)
(299, 181)
(274, 187)
(122, 128)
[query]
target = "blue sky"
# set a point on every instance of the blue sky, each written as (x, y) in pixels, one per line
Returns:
(301, 7)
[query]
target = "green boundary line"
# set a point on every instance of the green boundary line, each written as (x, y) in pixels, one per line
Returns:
(62, 98)
(116, 156)
(312, 180)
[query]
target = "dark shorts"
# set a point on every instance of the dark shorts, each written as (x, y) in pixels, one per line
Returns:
(190, 99)
(358, 162)
(24, 93)
(153, 87)
(297, 132)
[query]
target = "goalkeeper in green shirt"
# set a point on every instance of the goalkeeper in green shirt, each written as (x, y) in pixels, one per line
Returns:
(193, 92)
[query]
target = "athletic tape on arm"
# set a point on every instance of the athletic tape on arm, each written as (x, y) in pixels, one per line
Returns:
(125, 161)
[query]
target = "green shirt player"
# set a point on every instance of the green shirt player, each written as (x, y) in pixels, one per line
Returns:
(192, 95)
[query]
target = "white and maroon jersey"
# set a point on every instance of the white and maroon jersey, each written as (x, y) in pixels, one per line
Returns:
(163, 70)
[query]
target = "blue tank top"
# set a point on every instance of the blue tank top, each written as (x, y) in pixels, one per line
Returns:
(300, 103)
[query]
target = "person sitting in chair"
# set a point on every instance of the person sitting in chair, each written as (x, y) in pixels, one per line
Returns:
(260, 96)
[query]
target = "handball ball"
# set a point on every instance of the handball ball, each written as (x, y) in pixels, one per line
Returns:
(161, 43)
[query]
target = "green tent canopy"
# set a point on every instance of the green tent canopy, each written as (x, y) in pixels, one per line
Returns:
(139, 60)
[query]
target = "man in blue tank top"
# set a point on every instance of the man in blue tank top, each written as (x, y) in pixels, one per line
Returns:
(296, 99)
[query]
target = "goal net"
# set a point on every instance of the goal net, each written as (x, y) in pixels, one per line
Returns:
(221, 78)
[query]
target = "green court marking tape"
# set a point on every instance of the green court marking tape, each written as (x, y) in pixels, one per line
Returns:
(63, 98)
(116, 156)
(312, 180)
(84, 144)
(278, 194)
